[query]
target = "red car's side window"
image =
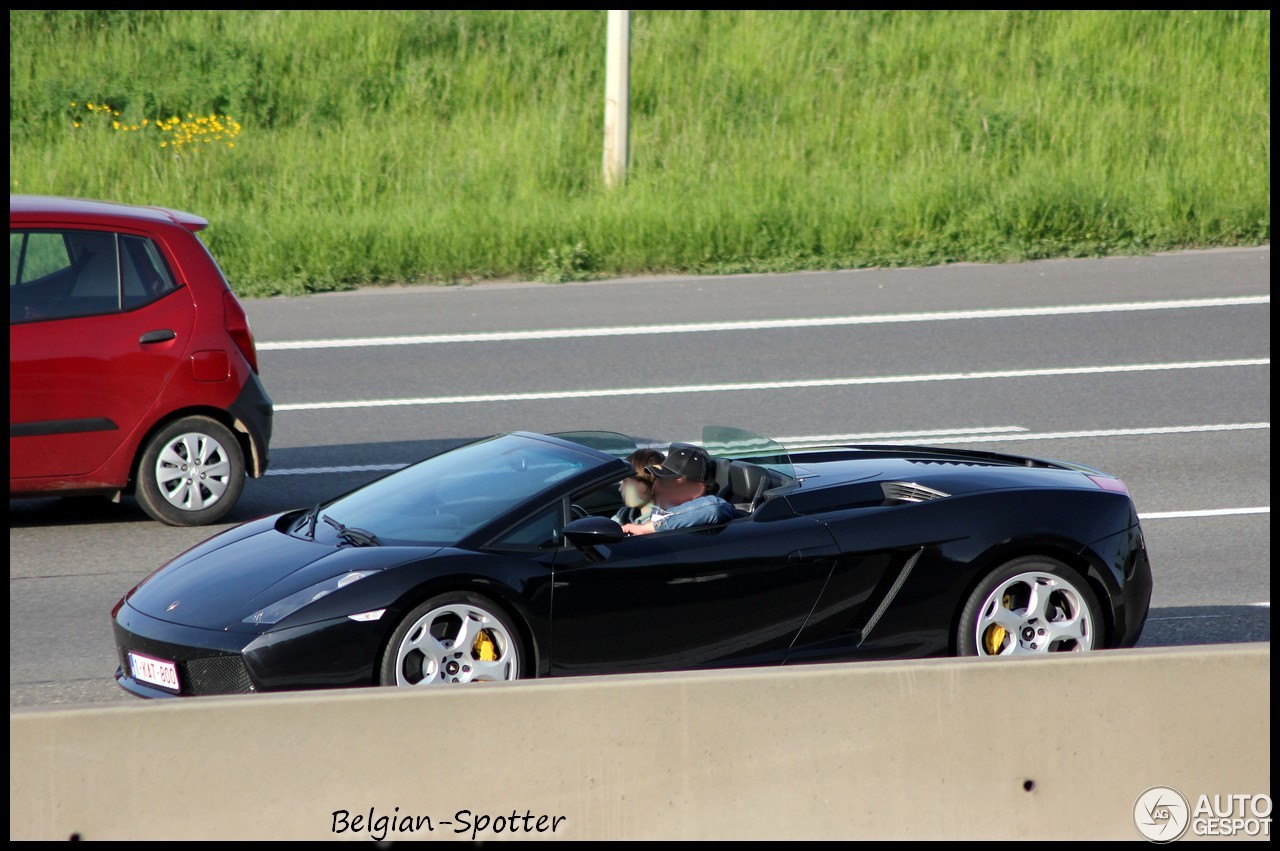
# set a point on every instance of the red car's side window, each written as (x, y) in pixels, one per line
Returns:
(144, 276)
(36, 254)
(63, 274)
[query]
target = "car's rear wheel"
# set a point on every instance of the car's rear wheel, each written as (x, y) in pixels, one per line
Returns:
(1028, 606)
(452, 638)
(191, 472)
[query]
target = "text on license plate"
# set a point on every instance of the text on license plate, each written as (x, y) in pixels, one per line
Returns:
(155, 671)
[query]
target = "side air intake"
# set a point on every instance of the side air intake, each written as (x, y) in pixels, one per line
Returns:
(910, 492)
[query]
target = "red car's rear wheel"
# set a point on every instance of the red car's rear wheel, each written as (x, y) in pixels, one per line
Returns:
(191, 472)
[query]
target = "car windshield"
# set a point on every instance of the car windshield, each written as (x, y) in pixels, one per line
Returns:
(442, 500)
(617, 445)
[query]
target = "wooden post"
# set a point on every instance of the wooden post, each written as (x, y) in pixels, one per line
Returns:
(616, 98)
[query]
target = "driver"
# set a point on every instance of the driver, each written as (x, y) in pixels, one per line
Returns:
(682, 490)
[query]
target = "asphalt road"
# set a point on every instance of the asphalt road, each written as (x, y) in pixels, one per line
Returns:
(1156, 369)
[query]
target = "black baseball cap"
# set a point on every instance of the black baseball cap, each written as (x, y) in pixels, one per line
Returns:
(684, 460)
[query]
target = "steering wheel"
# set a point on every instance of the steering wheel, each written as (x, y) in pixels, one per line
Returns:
(578, 512)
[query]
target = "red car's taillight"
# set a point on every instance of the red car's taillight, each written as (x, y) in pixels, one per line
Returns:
(237, 324)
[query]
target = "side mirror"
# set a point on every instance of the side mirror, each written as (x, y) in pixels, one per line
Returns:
(586, 531)
(589, 533)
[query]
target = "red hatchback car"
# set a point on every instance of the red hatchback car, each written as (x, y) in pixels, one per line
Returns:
(132, 368)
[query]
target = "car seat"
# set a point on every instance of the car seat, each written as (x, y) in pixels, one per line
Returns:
(741, 483)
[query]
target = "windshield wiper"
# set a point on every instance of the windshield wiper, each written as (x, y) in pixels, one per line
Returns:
(350, 534)
(310, 521)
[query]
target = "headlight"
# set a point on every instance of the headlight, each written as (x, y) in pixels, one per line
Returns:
(281, 609)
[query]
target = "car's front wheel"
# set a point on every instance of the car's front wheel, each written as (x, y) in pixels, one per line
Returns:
(458, 637)
(191, 472)
(1030, 605)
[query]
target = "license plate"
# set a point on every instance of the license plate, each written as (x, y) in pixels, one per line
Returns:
(157, 672)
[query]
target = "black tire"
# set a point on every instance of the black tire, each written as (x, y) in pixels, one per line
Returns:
(1064, 616)
(179, 493)
(410, 660)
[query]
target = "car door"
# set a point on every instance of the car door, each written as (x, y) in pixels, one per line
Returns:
(83, 372)
(734, 594)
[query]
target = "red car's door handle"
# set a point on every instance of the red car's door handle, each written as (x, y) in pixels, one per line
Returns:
(162, 335)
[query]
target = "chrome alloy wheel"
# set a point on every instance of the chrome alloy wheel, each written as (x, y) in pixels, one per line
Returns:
(193, 471)
(1034, 612)
(456, 643)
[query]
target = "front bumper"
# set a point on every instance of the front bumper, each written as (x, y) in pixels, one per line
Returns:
(327, 654)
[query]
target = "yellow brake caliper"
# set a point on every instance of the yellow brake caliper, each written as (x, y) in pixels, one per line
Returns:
(993, 638)
(484, 649)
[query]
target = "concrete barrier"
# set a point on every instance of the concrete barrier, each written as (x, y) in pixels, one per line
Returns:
(958, 748)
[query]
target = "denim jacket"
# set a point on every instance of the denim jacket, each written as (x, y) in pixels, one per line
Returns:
(702, 511)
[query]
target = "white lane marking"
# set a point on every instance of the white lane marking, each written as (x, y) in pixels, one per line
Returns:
(993, 435)
(746, 325)
(1158, 515)
(1210, 512)
(772, 385)
(353, 468)
(943, 437)
(1186, 618)
(369, 468)
(1201, 617)
(877, 435)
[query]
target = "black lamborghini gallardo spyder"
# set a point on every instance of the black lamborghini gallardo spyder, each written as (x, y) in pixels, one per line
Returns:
(498, 560)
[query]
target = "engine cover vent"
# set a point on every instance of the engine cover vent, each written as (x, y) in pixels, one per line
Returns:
(932, 462)
(910, 492)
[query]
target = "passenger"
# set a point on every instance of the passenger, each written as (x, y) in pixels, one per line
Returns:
(682, 491)
(637, 489)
